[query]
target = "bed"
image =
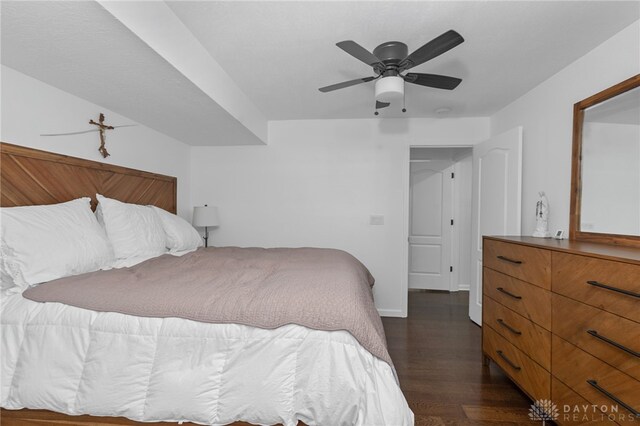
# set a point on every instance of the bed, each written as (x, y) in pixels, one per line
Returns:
(64, 363)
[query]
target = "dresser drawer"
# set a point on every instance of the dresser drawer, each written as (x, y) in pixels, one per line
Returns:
(532, 378)
(532, 339)
(579, 277)
(575, 367)
(528, 300)
(574, 409)
(523, 262)
(599, 333)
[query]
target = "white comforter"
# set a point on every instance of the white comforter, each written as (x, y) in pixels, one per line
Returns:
(76, 361)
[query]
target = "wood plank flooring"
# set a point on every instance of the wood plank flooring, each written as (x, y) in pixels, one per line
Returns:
(437, 354)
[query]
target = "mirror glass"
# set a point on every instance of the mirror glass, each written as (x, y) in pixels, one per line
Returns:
(610, 199)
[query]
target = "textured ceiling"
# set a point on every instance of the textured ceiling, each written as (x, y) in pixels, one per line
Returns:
(279, 53)
(82, 49)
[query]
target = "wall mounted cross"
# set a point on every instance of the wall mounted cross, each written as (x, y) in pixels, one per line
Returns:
(102, 128)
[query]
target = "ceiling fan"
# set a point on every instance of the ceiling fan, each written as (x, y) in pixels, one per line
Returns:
(391, 59)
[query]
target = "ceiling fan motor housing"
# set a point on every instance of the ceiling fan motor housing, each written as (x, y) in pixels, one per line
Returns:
(391, 52)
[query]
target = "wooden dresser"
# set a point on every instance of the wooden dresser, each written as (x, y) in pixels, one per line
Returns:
(562, 319)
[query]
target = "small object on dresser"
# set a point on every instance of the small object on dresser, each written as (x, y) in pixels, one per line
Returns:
(559, 235)
(205, 216)
(542, 217)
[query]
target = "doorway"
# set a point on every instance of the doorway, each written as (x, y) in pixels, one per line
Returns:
(440, 218)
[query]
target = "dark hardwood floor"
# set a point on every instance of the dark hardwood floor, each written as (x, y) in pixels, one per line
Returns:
(437, 354)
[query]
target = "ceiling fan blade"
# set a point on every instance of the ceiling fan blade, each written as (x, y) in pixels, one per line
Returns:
(345, 84)
(433, 80)
(435, 47)
(359, 52)
(382, 104)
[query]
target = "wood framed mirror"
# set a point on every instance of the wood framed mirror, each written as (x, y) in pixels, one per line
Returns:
(605, 173)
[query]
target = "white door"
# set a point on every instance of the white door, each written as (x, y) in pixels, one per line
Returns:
(431, 208)
(496, 201)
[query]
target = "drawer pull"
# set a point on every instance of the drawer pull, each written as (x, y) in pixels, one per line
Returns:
(618, 290)
(508, 361)
(502, 290)
(595, 334)
(508, 327)
(506, 259)
(612, 397)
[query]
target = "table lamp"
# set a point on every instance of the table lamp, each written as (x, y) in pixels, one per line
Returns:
(205, 216)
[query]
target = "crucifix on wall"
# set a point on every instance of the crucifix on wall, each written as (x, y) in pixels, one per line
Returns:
(102, 128)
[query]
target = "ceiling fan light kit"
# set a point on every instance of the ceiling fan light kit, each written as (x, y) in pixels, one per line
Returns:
(389, 89)
(389, 60)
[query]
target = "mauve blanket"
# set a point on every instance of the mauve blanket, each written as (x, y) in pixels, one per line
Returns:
(322, 289)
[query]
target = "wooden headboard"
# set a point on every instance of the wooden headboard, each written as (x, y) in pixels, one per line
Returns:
(30, 176)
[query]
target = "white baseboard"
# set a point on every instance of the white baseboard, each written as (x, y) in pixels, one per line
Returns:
(391, 313)
(464, 287)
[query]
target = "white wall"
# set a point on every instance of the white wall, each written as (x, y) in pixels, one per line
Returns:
(317, 183)
(31, 107)
(546, 114)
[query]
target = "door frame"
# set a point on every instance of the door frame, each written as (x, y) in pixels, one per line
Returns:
(406, 181)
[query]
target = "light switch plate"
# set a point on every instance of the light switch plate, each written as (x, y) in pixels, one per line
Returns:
(376, 219)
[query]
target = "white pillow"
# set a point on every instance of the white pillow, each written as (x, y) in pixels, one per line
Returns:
(44, 243)
(133, 230)
(6, 278)
(180, 234)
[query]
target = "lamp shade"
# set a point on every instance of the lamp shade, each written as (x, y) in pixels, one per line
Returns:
(205, 216)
